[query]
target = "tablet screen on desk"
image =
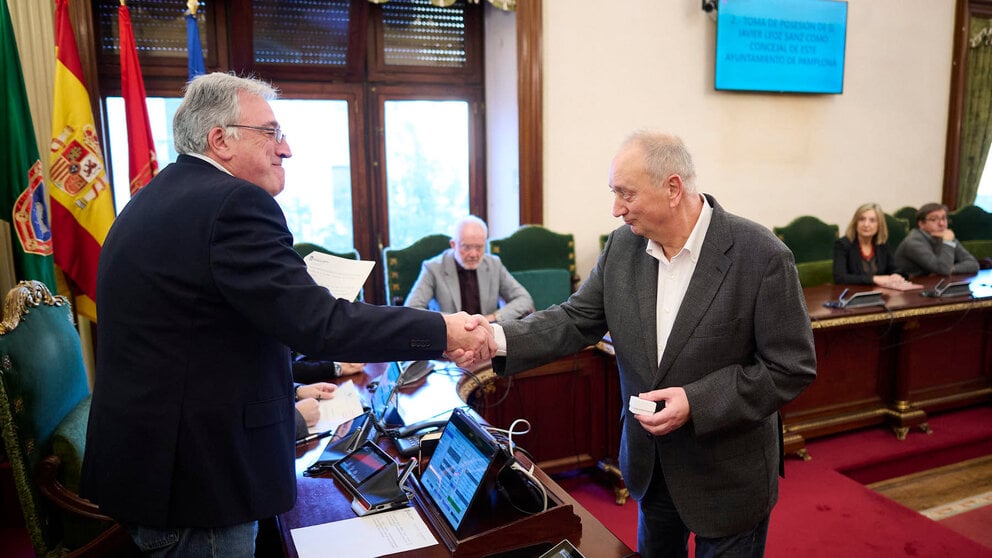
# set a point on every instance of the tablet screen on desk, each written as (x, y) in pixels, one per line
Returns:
(362, 463)
(459, 467)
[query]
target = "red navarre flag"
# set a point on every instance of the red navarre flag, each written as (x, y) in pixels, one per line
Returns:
(141, 148)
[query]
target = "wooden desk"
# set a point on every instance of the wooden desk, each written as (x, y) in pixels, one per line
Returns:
(321, 500)
(893, 365)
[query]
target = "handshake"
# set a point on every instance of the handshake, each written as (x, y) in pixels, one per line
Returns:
(470, 339)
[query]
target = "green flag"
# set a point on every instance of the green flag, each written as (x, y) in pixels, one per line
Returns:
(22, 187)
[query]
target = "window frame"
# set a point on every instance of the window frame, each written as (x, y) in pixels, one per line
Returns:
(378, 96)
(164, 80)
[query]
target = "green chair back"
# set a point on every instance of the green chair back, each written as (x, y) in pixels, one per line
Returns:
(809, 238)
(820, 272)
(981, 249)
(898, 229)
(546, 286)
(402, 265)
(971, 223)
(44, 406)
(909, 214)
(602, 241)
(536, 247)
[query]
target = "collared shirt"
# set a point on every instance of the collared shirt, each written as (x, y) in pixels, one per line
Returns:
(674, 275)
(468, 286)
(673, 280)
(209, 160)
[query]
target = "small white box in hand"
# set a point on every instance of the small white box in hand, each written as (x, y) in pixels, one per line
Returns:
(640, 406)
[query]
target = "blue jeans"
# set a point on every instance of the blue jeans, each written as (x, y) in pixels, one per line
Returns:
(236, 541)
(662, 534)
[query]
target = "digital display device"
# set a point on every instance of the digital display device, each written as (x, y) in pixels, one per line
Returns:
(458, 469)
(364, 462)
(786, 46)
(372, 478)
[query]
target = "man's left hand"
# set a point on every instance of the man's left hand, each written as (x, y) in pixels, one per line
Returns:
(669, 419)
(318, 391)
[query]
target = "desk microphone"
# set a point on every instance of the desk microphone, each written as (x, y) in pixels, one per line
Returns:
(376, 423)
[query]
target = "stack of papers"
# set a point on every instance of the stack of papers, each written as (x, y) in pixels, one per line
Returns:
(365, 537)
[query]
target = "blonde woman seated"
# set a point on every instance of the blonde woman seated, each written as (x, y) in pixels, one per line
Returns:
(861, 256)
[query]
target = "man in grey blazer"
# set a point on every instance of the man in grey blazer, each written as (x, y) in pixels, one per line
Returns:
(707, 317)
(465, 277)
(932, 247)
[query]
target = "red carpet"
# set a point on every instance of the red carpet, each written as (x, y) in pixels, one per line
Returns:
(824, 510)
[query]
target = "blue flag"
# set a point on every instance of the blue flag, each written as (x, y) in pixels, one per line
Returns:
(193, 48)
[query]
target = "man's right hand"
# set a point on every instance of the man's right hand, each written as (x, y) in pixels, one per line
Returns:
(310, 410)
(470, 338)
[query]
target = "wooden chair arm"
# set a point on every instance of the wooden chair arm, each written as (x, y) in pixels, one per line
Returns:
(114, 540)
(58, 494)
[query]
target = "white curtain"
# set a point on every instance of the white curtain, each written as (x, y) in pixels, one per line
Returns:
(34, 28)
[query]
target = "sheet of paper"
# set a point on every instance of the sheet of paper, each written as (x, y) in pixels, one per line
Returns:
(365, 537)
(345, 405)
(343, 277)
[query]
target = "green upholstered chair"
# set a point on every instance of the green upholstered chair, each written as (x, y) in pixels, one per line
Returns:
(820, 272)
(402, 265)
(44, 408)
(812, 244)
(972, 225)
(602, 241)
(547, 286)
(908, 213)
(809, 238)
(898, 229)
(536, 247)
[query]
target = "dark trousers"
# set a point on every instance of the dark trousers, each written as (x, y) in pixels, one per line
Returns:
(662, 534)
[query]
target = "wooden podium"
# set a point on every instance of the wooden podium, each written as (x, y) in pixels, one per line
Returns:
(497, 526)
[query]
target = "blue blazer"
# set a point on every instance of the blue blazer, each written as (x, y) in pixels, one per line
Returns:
(200, 298)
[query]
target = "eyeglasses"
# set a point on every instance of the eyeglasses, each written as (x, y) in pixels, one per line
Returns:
(276, 132)
(937, 218)
(471, 247)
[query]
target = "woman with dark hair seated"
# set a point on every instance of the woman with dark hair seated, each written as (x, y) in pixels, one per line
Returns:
(861, 255)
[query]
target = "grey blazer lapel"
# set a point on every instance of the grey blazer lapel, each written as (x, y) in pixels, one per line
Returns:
(711, 269)
(484, 273)
(450, 277)
(645, 287)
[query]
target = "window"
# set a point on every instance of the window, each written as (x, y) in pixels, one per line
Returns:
(427, 167)
(984, 197)
(382, 104)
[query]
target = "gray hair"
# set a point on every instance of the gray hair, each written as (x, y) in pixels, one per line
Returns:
(211, 101)
(456, 231)
(664, 155)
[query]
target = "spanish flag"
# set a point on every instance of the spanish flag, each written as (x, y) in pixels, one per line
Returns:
(141, 147)
(82, 202)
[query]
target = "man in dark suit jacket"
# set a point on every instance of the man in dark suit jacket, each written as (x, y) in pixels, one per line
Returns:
(201, 297)
(706, 315)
